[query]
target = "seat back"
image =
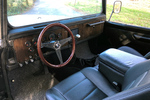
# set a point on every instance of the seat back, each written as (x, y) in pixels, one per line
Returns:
(136, 85)
(137, 76)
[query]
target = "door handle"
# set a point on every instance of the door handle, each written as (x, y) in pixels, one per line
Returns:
(97, 23)
(142, 37)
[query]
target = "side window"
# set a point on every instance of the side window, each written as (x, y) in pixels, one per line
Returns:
(133, 12)
(26, 12)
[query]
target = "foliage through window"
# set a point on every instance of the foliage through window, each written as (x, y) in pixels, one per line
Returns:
(133, 12)
(25, 12)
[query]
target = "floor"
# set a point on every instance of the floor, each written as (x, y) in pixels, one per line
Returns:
(32, 81)
(27, 84)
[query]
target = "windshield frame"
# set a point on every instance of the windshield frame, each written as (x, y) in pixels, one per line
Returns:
(54, 21)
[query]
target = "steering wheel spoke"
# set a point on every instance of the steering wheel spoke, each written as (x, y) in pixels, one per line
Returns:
(59, 55)
(64, 41)
(48, 44)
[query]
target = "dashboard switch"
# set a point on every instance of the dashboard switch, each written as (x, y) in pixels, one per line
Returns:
(31, 59)
(21, 64)
(26, 62)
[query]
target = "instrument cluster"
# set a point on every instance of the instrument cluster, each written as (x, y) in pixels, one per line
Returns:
(33, 43)
(31, 46)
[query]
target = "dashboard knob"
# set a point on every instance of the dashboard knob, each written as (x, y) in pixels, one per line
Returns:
(30, 57)
(78, 36)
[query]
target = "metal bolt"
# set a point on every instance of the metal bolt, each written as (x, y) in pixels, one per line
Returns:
(12, 81)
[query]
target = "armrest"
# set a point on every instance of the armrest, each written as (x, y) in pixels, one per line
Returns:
(120, 60)
(114, 63)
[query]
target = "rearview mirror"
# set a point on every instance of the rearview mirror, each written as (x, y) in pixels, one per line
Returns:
(116, 8)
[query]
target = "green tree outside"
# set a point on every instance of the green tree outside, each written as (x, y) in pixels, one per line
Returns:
(15, 7)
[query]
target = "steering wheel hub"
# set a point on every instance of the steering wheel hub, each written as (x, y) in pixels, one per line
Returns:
(57, 45)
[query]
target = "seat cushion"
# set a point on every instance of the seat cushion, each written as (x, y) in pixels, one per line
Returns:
(89, 83)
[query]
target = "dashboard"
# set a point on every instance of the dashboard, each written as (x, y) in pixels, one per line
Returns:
(25, 47)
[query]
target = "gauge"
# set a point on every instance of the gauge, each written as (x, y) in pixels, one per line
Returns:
(52, 36)
(28, 44)
(31, 49)
(34, 41)
(59, 35)
(44, 39)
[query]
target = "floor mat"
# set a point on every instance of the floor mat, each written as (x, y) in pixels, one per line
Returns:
(83, 51)
(27, 86)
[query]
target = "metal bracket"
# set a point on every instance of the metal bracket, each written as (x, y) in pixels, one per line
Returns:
(2, 44)
(11, 42)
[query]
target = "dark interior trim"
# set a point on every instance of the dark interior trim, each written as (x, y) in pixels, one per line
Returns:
(127, 27)
(104, 6)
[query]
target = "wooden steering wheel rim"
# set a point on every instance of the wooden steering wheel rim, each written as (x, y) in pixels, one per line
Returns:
(40, 40)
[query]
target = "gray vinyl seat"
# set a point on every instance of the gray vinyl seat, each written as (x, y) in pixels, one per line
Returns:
(130, 50)
(134, 52)
(90, 84)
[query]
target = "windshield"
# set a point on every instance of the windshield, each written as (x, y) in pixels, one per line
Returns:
(26, 12)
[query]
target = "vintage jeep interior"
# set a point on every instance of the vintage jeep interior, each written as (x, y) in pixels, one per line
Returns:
(86, 57)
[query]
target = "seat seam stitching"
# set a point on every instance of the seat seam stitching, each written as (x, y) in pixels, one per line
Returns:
(138, 82)
(95, 85)
(142, 78)
(89, 93)
(60, 92)
(128, 87)
(75, 85)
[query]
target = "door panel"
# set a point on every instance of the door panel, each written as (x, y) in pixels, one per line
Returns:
(126, 35)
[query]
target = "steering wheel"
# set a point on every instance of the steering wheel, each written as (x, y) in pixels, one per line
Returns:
(56, 45)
